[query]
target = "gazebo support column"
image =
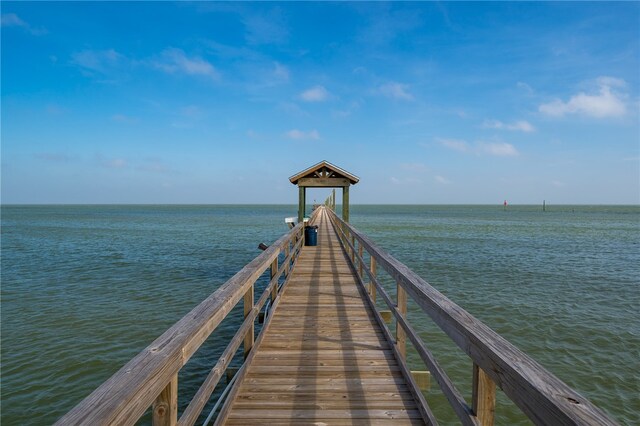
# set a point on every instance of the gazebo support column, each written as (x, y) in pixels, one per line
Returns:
(301, 203)
(345, 203)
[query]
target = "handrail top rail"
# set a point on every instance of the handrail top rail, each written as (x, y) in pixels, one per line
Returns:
(536, 391)
(132, 389)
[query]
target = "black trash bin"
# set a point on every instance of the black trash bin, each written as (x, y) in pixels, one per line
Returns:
(311, 235)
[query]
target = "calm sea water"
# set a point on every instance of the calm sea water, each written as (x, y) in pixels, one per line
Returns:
(85, 288)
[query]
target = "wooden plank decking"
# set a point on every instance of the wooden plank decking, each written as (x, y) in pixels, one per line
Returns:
(324, 358)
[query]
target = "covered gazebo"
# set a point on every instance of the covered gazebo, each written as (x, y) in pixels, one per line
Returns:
(323, 175)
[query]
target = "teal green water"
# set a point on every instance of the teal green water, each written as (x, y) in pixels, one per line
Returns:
(85, 288)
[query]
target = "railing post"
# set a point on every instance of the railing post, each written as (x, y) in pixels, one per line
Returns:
(286, 256)
(165, 407)
(353, 250)
(248, 306)
(484, 397)
(401, 336)
(360, 266)
(372, 286)
(274, 271)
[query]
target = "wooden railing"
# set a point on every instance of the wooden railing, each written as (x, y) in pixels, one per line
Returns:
(151, 378)
(544, 398)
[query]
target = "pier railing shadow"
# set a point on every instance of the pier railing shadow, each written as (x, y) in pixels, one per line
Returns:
(150, 379)
(540, 395)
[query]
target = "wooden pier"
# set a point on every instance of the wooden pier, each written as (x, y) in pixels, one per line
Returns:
(323, 359)
(324, 354)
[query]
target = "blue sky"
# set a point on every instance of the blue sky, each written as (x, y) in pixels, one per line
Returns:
(436, 102)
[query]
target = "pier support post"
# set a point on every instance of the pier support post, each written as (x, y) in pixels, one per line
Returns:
(165, 407)
(484, 397)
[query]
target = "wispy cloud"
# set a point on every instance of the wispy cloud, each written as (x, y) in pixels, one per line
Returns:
(496, 149)
(13, 20)
(268, 27)
(395, 90)
(524, 86)
(454, 144)
(346, 112)
(442, 180)
(521, 125)
(607, 102)
(296, 134)
(315, 94)
(386, 23)
(176, 61)
(100, 61)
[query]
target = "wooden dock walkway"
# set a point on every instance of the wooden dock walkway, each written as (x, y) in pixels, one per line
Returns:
(324, 359)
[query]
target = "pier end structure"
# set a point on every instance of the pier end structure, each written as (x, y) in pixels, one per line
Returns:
(323, 175)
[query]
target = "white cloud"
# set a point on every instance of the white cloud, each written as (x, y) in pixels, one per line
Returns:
(442, 180)
(315, 94)
(101, 61)
(174, 60)
(606, 103)
(13, 20)
(498, 149)
(395, 90)
(455, 144)
(301, 135)
(404, 181)
(521, 125)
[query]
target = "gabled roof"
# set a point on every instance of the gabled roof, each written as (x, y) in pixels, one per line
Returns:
(324, 170)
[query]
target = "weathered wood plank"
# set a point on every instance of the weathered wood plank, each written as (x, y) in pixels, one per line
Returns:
(325, 414)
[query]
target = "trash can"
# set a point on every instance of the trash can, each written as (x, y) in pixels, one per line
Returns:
(311, 235)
